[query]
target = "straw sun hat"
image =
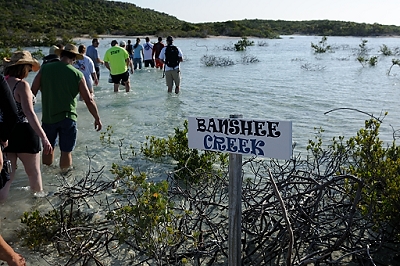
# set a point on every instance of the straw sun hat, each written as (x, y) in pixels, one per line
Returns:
(70, 48)
(22, 58)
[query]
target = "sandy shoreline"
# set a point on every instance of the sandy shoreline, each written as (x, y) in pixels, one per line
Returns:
(152, 37)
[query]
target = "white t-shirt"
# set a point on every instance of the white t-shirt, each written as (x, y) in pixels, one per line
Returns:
(86, 66)
(148, 51)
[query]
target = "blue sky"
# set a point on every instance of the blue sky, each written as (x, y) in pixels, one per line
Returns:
(369, 11)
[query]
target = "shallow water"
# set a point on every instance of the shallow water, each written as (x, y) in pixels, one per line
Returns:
(275, 88)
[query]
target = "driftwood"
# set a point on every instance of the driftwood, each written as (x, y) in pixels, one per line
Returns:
(311, 218)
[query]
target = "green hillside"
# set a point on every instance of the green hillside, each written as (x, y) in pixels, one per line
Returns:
(42, 22)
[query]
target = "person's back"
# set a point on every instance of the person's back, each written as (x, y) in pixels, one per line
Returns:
(156, 52)
(116, 56)
(157, 49)
(59, 88)
(172, 56)
(129, 49)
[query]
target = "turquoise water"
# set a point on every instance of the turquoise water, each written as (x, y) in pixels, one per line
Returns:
(277, 87)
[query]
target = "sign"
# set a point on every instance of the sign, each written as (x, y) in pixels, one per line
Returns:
(265, 138)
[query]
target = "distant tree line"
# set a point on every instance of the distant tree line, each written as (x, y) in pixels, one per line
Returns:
(43, 22)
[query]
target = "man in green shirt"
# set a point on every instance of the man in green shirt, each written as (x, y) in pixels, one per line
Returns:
(60, 83)
(116, 59)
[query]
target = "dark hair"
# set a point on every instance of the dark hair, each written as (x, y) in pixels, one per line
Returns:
(60, 46)
(18, 71)
(67, 54)
(147, 39)
(82, 48)
(159, 39)
(95, 40)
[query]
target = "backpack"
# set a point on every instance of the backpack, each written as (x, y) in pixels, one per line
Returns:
(172, 56)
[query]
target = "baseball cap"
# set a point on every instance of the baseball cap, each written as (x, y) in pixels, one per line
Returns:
(122, 43)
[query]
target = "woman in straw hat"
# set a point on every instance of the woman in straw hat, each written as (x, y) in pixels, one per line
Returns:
(24, 142)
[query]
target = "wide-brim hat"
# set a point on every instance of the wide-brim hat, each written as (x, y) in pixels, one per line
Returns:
(70, 48)
(53, 49)
(22, 58)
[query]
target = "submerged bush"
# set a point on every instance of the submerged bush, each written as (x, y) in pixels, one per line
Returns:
(212, 60)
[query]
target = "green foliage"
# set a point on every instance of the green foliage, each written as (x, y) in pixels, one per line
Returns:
(376, 164)
(363, 57)
(385, 50)
(40, 229)
(146, 218)
(379, 167)
(322, 46)
(189, 161)
(395, 62)
(242, 44)
(55, 21)
(105, 137)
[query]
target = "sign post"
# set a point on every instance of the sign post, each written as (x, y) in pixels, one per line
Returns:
(238, 136)
(235, 207)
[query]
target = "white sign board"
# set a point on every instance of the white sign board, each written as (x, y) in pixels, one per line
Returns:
(265, 138)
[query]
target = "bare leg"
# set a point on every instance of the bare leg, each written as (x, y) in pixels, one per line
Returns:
(32, 168)
(127, 86)
(6, 189)
(65, 160)
(116, 87)
(169, 89)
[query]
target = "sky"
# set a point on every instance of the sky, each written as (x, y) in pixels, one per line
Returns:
(386, 12)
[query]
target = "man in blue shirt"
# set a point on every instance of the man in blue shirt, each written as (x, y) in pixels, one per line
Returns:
(92, 52)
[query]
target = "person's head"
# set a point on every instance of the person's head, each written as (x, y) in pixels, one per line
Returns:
(82, 49)
(122, 44)
(159, 39)
(147, 39)
(60, 46)
(170, 40)
(70, 51)
(129, 41)
(95, 42)
(53, 49)
(137, 40)
(114, 42)
(20, 64)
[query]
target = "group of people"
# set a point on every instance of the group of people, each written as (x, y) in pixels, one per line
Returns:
(66, 72)
(121, 60)
(21, 134)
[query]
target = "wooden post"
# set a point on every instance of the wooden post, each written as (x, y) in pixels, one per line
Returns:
(235, 207)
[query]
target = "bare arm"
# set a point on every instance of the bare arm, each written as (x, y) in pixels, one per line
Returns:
(107, 65)
(9, 255)
(90, 103)
(129, 64)
(95, 80)
(36, 83)
(23, 95)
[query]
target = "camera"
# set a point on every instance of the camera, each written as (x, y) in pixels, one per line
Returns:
(5, 173)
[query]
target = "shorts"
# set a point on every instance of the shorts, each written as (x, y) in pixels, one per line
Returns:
(159, 63)
(116, 79)
(66, 131)
(172, 76)
(23, 139)
(149, 62)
